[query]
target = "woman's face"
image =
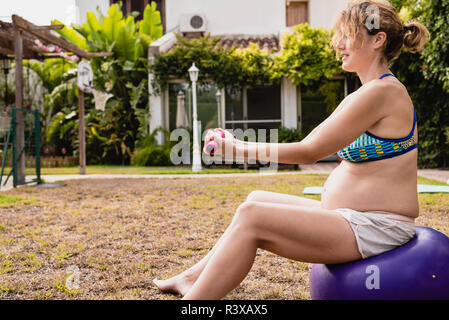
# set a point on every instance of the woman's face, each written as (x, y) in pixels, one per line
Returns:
(354, 54)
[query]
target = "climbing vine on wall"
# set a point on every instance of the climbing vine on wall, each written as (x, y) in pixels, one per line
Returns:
(307, 56)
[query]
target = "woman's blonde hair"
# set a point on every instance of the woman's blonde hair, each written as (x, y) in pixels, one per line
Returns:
(375, 16)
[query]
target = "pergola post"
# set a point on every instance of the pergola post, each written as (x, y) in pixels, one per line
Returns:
(81, 132)
(20, 127)
(19, 38)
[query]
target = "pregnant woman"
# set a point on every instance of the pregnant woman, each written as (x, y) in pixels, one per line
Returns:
(369, 201)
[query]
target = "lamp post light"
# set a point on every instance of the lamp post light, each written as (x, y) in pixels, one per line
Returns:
(196, 166)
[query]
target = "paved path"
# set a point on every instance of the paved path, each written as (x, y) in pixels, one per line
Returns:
(440, 175)
(322, 167)
(59, 178)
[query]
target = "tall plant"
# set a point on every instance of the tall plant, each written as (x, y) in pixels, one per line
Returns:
(427, 79)
(58, 98)
(233, 67)
(307, 55)
(124, 75)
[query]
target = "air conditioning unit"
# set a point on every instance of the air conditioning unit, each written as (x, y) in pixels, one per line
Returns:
(192, 23)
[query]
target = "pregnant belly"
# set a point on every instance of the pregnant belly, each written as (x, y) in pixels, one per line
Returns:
(365, 191)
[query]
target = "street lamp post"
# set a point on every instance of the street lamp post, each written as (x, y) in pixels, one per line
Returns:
(196, 166)
(218, 96)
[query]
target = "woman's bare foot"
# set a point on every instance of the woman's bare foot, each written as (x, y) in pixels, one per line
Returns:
(178, 284)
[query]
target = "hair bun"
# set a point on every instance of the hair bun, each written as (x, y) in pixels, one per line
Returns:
(415, 40)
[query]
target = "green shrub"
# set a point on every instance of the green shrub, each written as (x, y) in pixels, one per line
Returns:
(111, 134)
(427, 82)
(148, 153)
(307, 55)
(152, 156)
(286, 135)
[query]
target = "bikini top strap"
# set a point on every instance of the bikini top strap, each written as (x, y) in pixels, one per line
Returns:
(414, 123)
(415, 119)
(414, 111)
(386, 75)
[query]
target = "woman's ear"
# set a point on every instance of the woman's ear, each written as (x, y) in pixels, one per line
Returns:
(380, 39)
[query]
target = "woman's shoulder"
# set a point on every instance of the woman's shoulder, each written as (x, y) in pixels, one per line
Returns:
(395, 105)
(384, 87)
(386, 93)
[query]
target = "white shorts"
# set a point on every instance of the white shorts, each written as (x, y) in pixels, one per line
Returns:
(378, 231)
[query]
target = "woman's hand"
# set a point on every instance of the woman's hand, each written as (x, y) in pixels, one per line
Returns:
(219, 142)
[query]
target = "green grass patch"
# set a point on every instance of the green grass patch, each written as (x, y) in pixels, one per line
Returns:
(112, 169)
(422, 180)
(9, 199)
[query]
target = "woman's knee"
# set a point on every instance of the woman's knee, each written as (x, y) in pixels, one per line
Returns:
(256, 195)
(245, 221)
(246, 214)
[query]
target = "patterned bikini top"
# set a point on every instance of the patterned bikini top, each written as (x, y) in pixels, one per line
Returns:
(369, 147)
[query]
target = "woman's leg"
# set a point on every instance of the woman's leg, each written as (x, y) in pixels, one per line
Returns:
(274, 197)
(181, 283)
(301, 233)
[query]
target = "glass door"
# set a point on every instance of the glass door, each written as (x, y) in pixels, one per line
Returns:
(180, 105)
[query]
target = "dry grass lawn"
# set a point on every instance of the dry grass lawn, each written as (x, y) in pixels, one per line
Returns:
(122, 233)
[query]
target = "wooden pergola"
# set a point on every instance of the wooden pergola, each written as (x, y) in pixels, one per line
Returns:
(18, 42)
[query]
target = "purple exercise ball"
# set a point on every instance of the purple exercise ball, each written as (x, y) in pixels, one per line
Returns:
(418, 269)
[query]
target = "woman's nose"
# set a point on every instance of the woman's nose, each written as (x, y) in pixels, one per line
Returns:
(341, 44)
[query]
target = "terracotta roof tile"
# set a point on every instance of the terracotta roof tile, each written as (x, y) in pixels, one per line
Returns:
(265, 42)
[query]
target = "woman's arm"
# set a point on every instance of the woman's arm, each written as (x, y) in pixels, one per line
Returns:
(337, 131)
(254, 148)
(289, 153)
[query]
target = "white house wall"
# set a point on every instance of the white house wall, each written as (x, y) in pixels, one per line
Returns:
(322, 13)
(40, 12)
(83, 6)
(231, 16)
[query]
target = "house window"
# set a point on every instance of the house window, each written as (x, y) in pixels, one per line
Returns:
(129, 6)
(255, 108)
(178, 98)
(180, 105)
(264, 106)
(234, 108)
(317, 103)
(297, 12)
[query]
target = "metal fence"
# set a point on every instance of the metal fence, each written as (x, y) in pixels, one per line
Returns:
(12, 136)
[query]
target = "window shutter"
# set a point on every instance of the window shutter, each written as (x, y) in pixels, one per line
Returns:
(297, 12)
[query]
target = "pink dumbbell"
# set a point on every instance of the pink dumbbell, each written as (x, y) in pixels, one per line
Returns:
(213, 145)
